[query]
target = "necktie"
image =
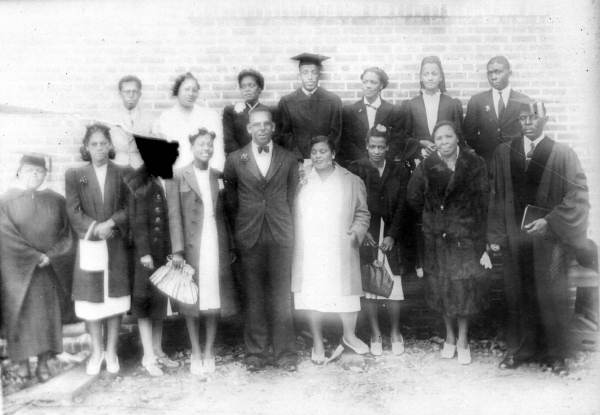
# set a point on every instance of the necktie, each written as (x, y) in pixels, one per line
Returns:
(264, 148)
(501, 106)
(529, 155)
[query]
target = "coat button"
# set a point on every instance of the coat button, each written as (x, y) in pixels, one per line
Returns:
(442, 207)
(156, 229)
(157, 209)
(444, 235)
(157, 220)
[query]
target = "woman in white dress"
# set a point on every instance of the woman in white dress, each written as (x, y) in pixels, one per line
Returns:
(199, 237)
(331, 221)
(97, 207)
(185, 118)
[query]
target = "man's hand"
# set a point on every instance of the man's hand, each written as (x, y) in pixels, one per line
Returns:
(387, 244)
(427, 148)
(44, 261)
(537, 227)
(147, 262)
(495, 247)
(485, 261)
(369, 241)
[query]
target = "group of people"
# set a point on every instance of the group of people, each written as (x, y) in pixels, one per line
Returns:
(285, 208)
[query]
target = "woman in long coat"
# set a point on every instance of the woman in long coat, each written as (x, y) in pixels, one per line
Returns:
(386, 183)
(332, 219)
(424, 111)
(97, 200)
(199, 236)
(36, 263)
(451, 189)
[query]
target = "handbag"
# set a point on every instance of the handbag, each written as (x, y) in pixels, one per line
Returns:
(375, 276)
(93, 255)
(177, 283)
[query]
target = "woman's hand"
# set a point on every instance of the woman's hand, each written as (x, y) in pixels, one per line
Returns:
(177, 260)
(387, 244)
(104, 230)
(427, 148)
(44, 261)
(485, 260)
(354, 238)
(495, 247)
(147, 262)
(232, 256)
(369, 241)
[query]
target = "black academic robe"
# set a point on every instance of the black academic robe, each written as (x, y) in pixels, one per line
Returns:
(34, 299)
(561, 187)
(355, 126)
(302, 117)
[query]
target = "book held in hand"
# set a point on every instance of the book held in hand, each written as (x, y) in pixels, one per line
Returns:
(532, 213)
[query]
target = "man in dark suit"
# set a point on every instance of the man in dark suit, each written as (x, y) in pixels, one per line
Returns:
(260, 182)
(372, 110)
(310, 110)
(493, 116)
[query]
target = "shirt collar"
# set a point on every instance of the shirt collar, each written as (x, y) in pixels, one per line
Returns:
(309, 93)
(255, 146)
(536, 141)
(431, 96)
(376, 104)
(505, 93)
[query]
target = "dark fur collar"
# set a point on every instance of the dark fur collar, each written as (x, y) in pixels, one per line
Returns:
(437, 173)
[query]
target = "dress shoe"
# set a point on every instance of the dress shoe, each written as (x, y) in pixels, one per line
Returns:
(509, 362)
(360, 349)
(559, 367)
(93, 366)
(151, 366)
(317, 359)
(23, 370)
(376, 347)
(288, 366)
(398, 346)
(112, 365)
(255, 364)
(165, 361)
(448, 351)
(464, 355)
(209, 365)
(42, 373)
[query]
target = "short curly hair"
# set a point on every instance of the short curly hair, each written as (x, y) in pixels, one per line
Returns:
(258, 77)
(383, 77)
(201, 133)
(179, 80)
(90, 130)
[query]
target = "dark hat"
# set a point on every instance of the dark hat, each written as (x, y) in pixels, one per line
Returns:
(36, 159)
(532, 106)
(158, 154)
(310, 58)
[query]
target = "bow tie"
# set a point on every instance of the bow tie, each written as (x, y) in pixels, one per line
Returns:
(371, 106)
(264, 148)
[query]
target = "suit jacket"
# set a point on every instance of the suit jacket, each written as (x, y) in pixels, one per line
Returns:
(186, 212)
(415, 118)
(235, 132)
(84, 206)
(355, 126)
(302, 117)
(254, 201)
(483, 130)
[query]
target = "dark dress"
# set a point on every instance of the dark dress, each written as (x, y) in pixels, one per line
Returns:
(33, 298)
(454, 209)
(150, 232)
(386, 199)
(302, 117)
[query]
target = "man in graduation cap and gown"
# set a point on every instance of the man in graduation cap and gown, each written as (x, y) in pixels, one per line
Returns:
(310, 110)
(36, 262)
(537, 248)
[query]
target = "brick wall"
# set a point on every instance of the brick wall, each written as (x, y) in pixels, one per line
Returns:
(66, 56)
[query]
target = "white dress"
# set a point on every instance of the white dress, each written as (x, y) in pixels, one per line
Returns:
(208, 263)
(110, 306)
(177, 125)
(321, 204)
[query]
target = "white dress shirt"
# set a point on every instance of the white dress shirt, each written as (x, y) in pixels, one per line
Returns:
(528, 145)
(496, 98)
(128, 122)
(432, 105)
(263, 159)
(372, 110)
(307, 92)
(101, 176)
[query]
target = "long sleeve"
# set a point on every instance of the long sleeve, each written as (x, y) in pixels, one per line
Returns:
(230, 196)
(292, 185)
(65, 245)
(394, 229)
(496, 213)
(457, 118)
(470, 129)
(175, 215)
(347, 146)
(398, 133)
(415, 193)
(283, 133)
(121, 215)
(336, 121)
(362, 216)
(229, 130)
(141, 236)
(78, 219)
(408, 147)
(218, 159)
(483, 187)
(569, 219)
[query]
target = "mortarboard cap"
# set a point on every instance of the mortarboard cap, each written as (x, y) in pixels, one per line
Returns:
(310, 58)
(158, 154)
(36, 159)
(533, 107)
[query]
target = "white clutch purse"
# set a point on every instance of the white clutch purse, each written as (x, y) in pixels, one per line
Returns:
(93, 255)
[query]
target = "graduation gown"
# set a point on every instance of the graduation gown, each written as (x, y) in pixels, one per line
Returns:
(302, 117)
(33, 223)
(563, 190)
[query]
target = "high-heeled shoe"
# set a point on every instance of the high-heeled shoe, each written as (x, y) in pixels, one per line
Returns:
(376, 347)
(151, 366)
(317, 358)
(448, 351)
(92, 367)
(358, 350)
(398, 347)
(196, 368)
(464, 355)
(112, 365)
(209, 365)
